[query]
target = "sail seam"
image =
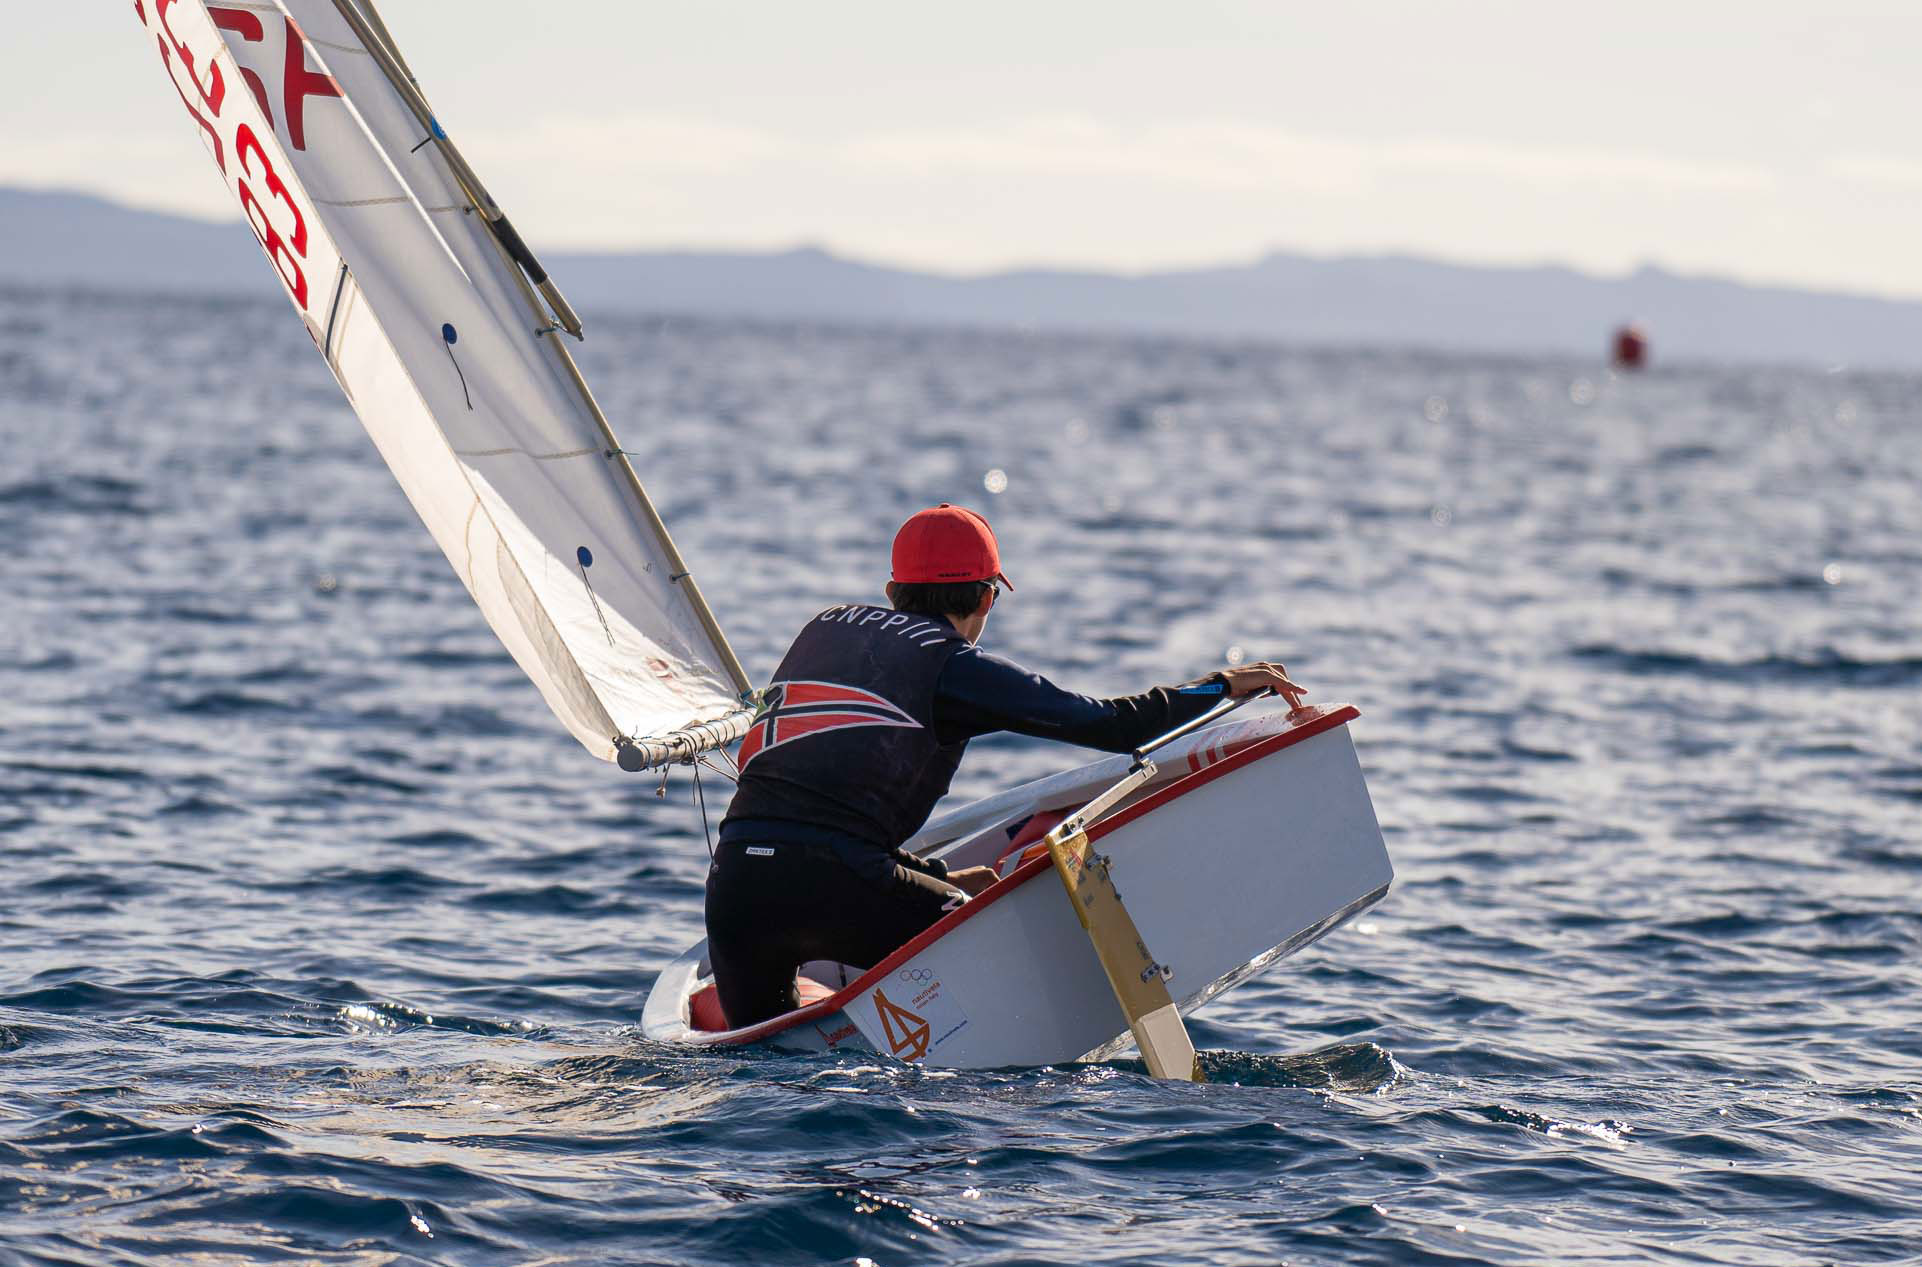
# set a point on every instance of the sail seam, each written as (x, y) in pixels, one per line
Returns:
(538, 457)
(341, 48)
(351, 203)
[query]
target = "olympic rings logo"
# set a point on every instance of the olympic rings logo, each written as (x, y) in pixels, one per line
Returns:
(915, 976)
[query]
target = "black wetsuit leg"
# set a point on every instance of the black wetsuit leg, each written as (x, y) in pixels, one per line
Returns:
(772, 907)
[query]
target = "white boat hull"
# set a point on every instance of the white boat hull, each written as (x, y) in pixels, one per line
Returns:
(1258, 840)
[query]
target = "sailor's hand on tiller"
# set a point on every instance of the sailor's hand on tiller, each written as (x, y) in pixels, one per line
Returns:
(1262, 676)
(972, 880)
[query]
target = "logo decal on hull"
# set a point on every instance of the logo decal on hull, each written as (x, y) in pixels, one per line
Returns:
(927, 1018)
(907, 1034)
(834, 1037)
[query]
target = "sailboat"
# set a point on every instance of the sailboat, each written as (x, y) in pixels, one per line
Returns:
(1183, 870)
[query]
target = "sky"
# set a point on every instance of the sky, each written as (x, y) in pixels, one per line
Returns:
(1766, 141)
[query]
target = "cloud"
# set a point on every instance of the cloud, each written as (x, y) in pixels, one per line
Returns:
(1565, 165)
(1088, 191)
(658, 143)
(1878, 170)
(1224, 155)
(1236, 155)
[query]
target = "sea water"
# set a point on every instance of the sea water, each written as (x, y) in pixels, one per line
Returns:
(321, 942)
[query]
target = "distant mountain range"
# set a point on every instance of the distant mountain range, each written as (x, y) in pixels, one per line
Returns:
(50, 239)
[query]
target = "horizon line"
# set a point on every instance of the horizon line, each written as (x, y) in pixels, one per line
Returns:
(857, 257)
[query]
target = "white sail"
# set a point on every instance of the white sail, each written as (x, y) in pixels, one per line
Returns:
(387, 248)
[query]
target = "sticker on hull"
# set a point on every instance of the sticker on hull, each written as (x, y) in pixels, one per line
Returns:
(918, 1016)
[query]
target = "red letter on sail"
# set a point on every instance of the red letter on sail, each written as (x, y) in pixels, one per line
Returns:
(286, 262)
(212, 93)
(300, 84)
(247, 27)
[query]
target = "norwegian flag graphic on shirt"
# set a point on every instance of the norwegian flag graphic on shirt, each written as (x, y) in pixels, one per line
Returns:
(794, 710)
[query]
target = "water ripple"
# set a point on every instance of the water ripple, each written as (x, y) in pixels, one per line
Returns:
(326, 945)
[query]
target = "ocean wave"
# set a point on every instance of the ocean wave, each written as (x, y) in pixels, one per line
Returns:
(1827, 667)
(322, 943)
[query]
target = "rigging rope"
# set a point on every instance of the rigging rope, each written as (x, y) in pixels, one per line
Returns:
(701, 797)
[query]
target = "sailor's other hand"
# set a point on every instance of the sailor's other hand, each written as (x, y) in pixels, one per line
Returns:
(1262, 676)
(972, 880)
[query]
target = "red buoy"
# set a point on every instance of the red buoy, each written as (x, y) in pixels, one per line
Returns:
(1631, 347)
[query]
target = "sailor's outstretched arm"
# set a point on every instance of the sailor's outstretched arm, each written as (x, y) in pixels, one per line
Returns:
(979, 693)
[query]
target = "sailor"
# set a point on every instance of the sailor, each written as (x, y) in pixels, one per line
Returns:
(859, 735)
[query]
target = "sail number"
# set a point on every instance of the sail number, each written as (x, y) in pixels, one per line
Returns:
(286, 262)
(275, 219)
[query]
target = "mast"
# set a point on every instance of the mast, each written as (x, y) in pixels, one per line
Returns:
(365, 21)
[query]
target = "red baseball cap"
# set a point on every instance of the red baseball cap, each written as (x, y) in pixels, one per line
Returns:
(946, 544)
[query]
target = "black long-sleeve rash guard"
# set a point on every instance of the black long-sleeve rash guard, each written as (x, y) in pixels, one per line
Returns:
(979, 693)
